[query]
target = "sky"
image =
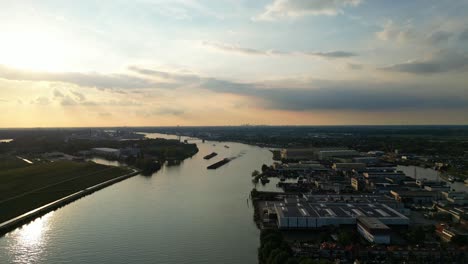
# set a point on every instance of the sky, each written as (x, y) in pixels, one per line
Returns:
(67, 63)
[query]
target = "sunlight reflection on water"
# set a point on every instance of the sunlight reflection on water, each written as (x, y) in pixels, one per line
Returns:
(28, 241)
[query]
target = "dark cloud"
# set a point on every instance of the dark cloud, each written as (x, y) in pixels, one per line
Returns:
(464, 35)
(340, 96)
(82, 79)
(440, 37)
(441, 62)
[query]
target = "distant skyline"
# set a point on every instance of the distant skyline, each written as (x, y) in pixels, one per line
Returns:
(228, 62)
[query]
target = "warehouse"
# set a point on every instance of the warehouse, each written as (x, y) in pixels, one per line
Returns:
(302, 214)
(373, 230)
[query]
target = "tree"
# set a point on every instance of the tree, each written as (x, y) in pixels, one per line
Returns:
(255, 173)
(264, 167)
(344, 237)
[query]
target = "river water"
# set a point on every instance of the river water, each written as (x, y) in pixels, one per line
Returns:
(430, 174)
(181, 214)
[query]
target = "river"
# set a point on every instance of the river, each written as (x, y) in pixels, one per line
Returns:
(181, 214)
(430, 174)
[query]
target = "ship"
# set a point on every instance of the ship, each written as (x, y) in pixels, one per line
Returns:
(218, 164)
(211, 155)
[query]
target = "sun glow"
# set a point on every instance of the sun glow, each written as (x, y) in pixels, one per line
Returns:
(32, 50)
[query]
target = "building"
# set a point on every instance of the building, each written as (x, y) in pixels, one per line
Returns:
(301, 167)
(415, 197)
(373, 230)
(300, 213)
(358, 184)
(457, 198)
(331, 153)
(298, 154)
(348, 166)
(106, 152)
(366, 160)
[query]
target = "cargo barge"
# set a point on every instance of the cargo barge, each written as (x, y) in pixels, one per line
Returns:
(209, 156)
(218, 164)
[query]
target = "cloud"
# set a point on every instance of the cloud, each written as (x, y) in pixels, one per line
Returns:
(165, 75)
(441, 62)
(393, 32)
(68, 101)
(79, 96)
(170, 111)
(109, 81)
(464, 35)
(440, 37)
(57, 93)
(234, 49)
(162, 110)
(354, 66)
(256, 52)
(340, 95)
(105, 114)
(280, 9)
(41, 101)
(332, 54)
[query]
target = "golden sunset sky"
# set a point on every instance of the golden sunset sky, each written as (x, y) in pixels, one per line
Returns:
(226, 62)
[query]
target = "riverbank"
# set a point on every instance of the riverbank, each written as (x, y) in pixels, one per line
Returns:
(16, 222)
(25, 188)
(168, 209)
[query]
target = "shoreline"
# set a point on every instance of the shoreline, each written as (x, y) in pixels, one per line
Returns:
(25, 218)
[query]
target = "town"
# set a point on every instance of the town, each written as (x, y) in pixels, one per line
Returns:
(342, 205)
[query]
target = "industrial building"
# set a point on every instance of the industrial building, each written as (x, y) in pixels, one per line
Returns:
(373, 230)
(301, 213)
(415, 197)
(298, 154)
(106, 152)
(348, 166)
(329, 154)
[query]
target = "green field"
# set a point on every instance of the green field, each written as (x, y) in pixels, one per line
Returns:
(24, 187)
